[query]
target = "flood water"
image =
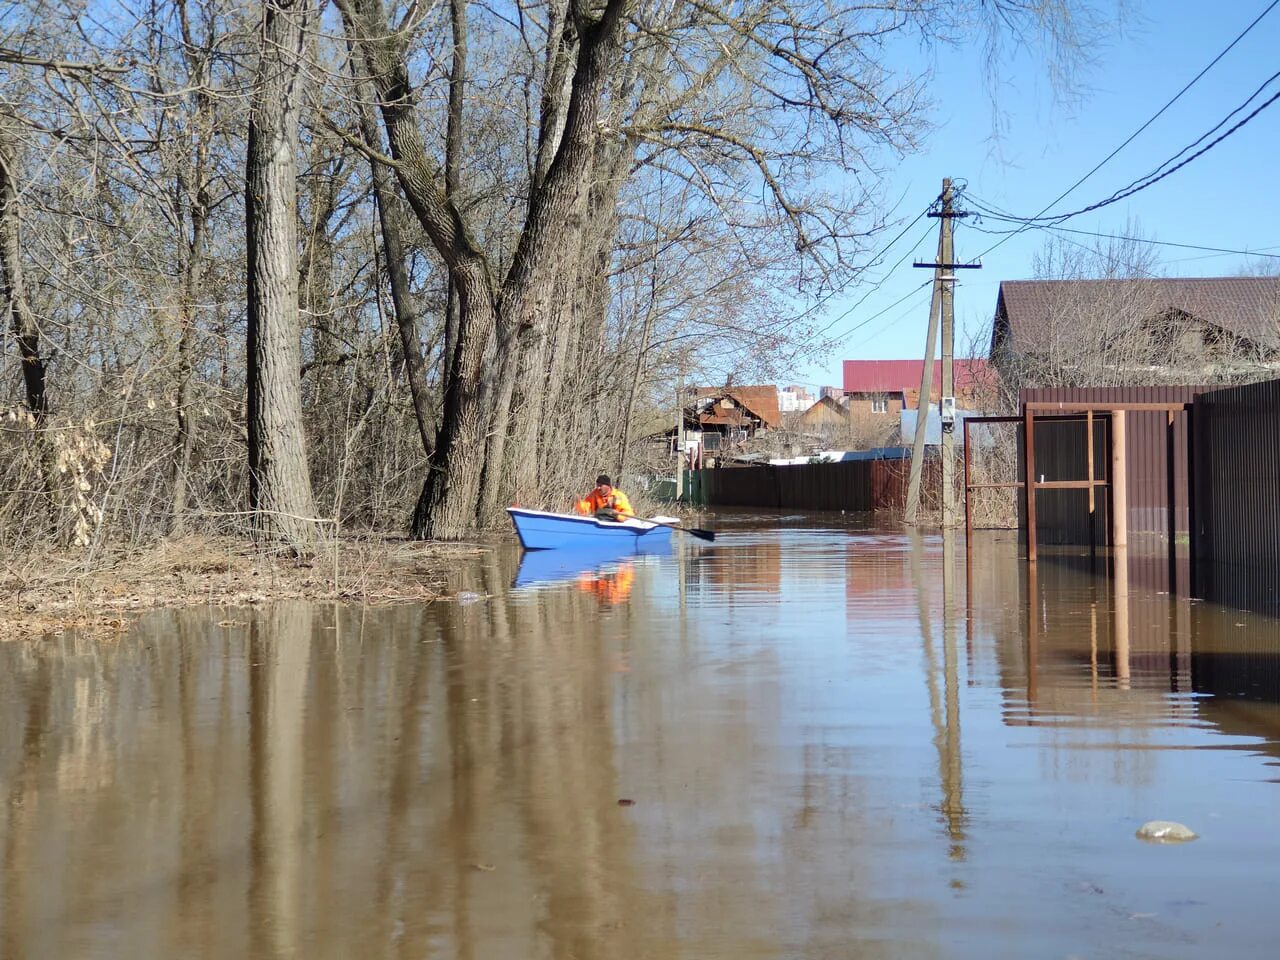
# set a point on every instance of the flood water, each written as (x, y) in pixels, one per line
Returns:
(799, 742)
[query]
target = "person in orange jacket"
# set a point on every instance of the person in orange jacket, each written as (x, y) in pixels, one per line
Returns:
(607, 500)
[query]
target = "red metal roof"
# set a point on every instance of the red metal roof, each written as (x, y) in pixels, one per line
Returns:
(899, 376)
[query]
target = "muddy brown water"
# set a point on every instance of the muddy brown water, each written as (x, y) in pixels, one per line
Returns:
(804, 741)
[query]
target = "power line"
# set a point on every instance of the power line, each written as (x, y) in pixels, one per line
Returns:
(1176, 97)
(911, 293)
(863, 269)
(1133, 136)
(1120, 236)
(877, 287)
(1160, 172)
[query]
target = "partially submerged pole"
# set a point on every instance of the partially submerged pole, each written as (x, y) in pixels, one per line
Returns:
(1119, 483)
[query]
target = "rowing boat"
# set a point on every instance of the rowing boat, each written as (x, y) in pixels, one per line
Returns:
(539, 530)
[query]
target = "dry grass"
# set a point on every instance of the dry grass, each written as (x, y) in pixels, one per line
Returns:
(54, 591)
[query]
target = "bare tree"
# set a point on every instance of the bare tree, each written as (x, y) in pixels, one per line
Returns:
(26, 333)
(279, 482)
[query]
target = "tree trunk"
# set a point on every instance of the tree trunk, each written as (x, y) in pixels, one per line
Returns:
(193, 197)
(279, 483)
(25, 332)
(192, 282)
(554, 224)
(398, 276)
(453, 172)
(447, 506)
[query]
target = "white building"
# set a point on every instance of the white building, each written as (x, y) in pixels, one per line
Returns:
(793, 398)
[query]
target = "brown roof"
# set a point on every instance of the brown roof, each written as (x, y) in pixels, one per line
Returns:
(825, 410)
(761, 401)
(1248, 307)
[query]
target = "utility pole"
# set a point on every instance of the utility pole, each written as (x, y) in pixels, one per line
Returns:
(922, 404)
(948, 359)
(943, 303)
(680, 438)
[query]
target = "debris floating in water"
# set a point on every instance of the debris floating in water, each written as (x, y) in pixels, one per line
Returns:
(1165, 831)
(466, 596)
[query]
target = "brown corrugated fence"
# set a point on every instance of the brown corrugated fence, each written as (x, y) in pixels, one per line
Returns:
(856, 485)
(1156, 451)
(1236, 539)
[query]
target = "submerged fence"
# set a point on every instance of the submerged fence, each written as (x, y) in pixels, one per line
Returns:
(1203, 486)
(856, 485)
(1156, 450)
(1236, 510)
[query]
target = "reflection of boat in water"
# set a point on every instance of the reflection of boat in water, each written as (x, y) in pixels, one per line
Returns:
(544, 567)
(539, 530)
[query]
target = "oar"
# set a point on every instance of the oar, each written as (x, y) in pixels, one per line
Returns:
(707, 535)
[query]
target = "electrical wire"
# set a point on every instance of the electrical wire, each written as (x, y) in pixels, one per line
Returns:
(880, 283)
(1160, 172)
(1133, 136)
(1120, 236)
(880, 313)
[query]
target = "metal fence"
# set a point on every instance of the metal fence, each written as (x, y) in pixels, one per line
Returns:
(1156, 450)
(1236, 536)
(856, 486)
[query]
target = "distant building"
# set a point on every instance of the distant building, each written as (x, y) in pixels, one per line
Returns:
(890, 386)
(793, 398)
(827, 412)
(727, 415)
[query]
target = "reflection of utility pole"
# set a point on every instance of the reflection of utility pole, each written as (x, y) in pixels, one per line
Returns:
(943, 304)
(952, 768)
(946, 727)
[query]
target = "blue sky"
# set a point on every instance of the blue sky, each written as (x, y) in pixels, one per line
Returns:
(1043, 145)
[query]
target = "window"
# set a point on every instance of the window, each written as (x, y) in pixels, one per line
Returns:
(880, 405)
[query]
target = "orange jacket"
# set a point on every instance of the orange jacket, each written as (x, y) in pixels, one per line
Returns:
(617, 500)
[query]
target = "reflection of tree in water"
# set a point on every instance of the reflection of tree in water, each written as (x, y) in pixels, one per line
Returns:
(405, 782)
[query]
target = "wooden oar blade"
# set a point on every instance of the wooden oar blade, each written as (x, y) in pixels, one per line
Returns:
(706, 535)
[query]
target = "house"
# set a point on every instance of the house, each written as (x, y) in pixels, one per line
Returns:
(874, 387)
(1136, 331)
(726, 415)
(824, 414)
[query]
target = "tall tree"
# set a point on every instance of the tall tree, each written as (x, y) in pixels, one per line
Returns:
(486, 307)
(25, 332)
(279, 483)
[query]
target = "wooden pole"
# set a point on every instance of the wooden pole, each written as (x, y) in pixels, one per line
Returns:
(947, 311)
(926, 388)
(1120, 611)
(1029, 485)
(1119, 482)
(968, 511)
(680, 440)
(1093, 500)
